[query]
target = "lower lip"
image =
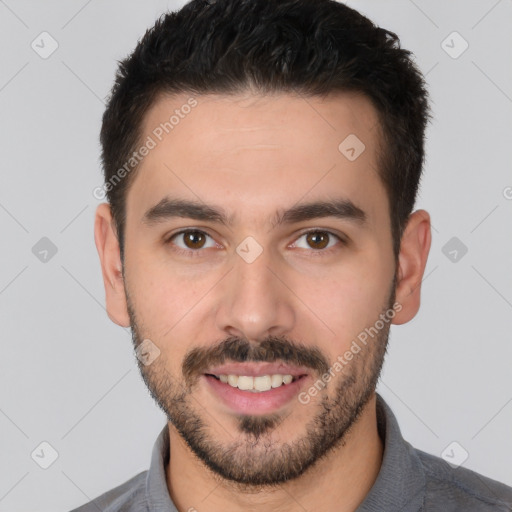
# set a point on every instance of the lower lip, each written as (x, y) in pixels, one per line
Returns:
(247, 402)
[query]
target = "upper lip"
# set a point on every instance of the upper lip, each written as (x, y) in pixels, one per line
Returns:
(258, 369)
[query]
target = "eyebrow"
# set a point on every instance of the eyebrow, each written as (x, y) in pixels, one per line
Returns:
(169, 208)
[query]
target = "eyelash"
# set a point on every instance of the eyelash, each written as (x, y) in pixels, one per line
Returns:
(197, 252)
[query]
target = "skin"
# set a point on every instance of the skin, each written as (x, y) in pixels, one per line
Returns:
(255, 156)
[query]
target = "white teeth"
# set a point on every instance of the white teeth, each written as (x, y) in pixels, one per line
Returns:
(277, 380)
(263, 383)
(256, 384)
(287, 379)
(245, 383)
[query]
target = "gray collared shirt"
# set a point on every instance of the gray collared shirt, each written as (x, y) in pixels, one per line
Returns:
(409, 480)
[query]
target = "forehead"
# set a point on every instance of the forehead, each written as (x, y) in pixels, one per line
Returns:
(253, 153)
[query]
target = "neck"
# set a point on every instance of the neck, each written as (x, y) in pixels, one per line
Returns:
(338, 482)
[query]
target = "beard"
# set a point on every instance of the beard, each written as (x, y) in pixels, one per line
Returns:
(253, 460)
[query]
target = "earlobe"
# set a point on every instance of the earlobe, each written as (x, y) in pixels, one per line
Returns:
(107, 245)
(412, 260)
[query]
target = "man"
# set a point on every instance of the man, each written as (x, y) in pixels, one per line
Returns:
(262, 160)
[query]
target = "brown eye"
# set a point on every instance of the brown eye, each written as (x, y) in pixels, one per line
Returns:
(192, 243)
(321, 241)
(194, 239)
(318, 239)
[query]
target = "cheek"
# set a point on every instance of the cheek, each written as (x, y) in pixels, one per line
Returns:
(346, 302)
(162, 295)
(166, 314)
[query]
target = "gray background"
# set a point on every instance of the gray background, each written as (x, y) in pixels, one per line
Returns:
(68, 375)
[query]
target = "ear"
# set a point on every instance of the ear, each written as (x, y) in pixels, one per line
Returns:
(414, 249)
(107, 244)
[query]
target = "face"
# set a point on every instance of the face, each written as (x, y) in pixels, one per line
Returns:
(254, 247)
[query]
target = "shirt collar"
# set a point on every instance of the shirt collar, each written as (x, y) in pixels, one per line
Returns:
(400, 484)
(157, 492)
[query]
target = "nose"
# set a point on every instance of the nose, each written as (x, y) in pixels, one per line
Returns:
(255, 301)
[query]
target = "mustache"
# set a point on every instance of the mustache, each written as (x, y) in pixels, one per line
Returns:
(235, 349)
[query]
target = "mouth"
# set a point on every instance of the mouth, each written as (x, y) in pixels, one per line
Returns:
(255, 394)
(256, 384)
